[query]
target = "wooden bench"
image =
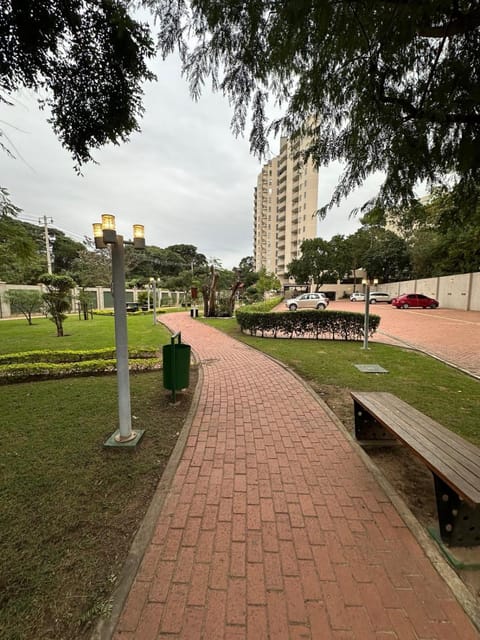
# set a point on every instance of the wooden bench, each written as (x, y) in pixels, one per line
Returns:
(454, 462)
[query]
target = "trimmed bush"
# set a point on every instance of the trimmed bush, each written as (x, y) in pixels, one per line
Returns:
(71, 355)
(327, 325)
(263, 306)
(22, 372)
(38, 365)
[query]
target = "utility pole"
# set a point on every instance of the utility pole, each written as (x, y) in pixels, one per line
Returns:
(47, 241)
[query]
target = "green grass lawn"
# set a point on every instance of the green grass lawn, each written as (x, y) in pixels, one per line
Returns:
(17, 335)
(447, 395)
(69, 507)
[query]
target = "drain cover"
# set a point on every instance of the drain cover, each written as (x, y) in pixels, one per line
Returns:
(371, 368)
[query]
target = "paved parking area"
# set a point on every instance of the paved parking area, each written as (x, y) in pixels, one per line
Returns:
(449, 334)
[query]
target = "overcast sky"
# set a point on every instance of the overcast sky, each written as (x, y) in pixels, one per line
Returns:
(185, 177)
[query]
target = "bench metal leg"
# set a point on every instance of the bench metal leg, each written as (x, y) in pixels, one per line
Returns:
(369, 429)
(459, 522)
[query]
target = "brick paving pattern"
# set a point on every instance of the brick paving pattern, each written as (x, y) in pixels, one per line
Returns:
(274, 528)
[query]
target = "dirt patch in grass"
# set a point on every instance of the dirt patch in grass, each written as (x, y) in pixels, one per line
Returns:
(71, 507)
(409, 477)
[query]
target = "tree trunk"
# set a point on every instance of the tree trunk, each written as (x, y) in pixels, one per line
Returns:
(231, 302)
(205, 295)
(212, 302)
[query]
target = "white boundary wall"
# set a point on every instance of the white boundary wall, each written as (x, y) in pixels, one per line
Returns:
(461, 291)
(5, 311)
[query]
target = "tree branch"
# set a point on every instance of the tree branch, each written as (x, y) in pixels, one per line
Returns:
(459, 25)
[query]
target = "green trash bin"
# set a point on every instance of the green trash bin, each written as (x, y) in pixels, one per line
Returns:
(176, 364)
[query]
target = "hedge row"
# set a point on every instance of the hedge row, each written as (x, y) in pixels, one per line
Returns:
(22, 372)
(330, 325)
(72, 356)
(41, 364)
(264, 306)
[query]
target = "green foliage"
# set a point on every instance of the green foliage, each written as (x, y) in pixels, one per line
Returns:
(390, 87)
(25, 301)
(267, 282)
(31, 365)
(262, 306)
(46, 355)
(330, 325)
(387, 256)
(57, 298)
(22, 372)
(315, 262)
(89, 60)
(444, 234)
(17, 248)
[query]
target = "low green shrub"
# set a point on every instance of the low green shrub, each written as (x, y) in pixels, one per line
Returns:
(21, 372)
(330, 325)
(259, 307)
(71, 355)
(20, 367)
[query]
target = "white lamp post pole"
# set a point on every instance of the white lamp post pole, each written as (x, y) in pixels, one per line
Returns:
(121, 342)
(105, 234)
(366, 325)
(154, 296)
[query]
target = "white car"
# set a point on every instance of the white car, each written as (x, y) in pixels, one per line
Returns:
(379, 296)
(307, 301)
(357, 296)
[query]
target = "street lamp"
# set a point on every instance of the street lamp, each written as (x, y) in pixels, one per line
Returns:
(154, 283)
(366, 327)
(105, 235)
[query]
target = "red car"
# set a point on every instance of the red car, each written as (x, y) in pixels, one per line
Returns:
(407, 300)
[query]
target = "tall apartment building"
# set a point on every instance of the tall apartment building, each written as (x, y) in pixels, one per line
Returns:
(285, 202)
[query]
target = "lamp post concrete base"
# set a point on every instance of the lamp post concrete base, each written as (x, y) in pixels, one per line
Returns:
(118, 441)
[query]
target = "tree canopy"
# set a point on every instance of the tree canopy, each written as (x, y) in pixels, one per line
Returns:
(89, 58)
(388, 86)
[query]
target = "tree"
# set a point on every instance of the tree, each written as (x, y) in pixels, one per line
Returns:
(340, 257)
(17, 248)
(92, 268)
(25, 301)
(88, 58)
(382, 86)
(246, 269)
(267, 282)
(443, 233)
(387, 256)
(315, 262)
(57, 298)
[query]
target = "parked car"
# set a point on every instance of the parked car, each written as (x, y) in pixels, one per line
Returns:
(307, 301)
(357, 296)
(414, 300)
(132, 307)
(379, 296)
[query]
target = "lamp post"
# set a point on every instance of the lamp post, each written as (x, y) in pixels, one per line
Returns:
(154, 282)
(366, 327)
(105, 235)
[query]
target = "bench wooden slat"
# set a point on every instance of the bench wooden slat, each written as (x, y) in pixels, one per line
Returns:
(450, 457)
(465, 454)
(438, 432)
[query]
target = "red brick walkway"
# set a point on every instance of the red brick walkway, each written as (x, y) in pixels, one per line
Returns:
(274, 528)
